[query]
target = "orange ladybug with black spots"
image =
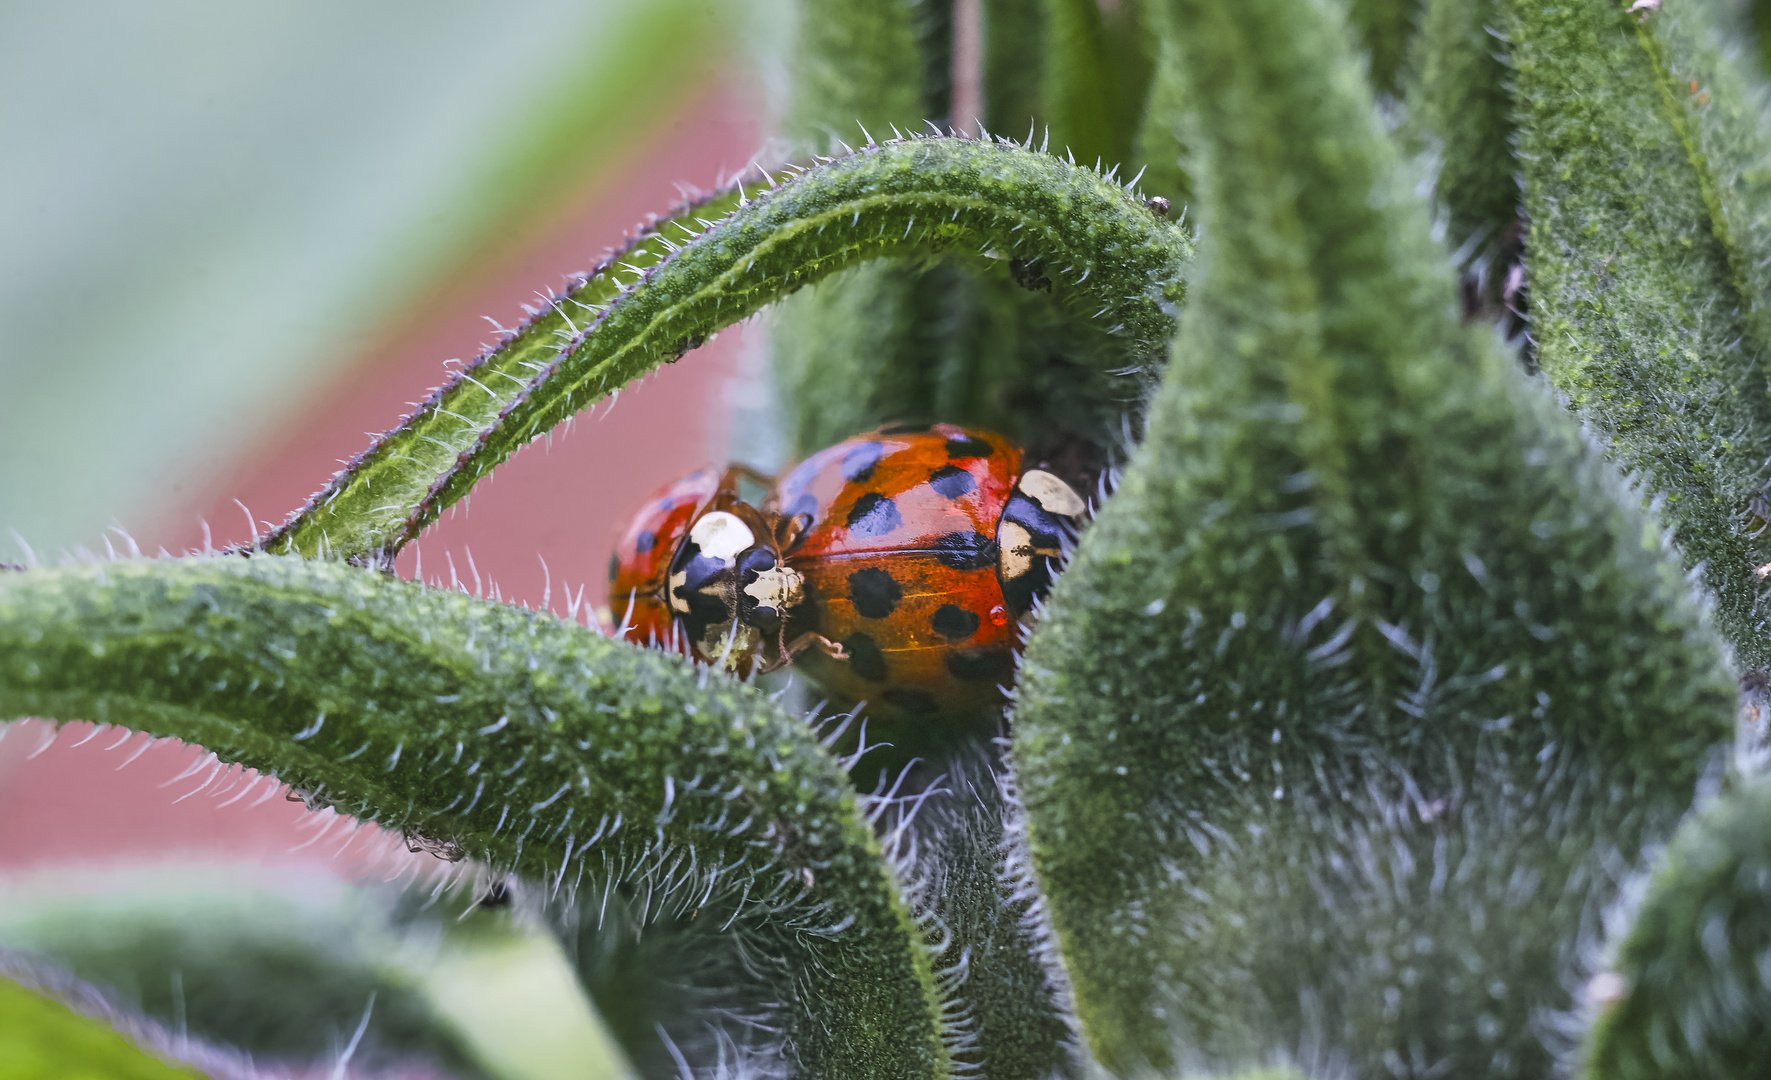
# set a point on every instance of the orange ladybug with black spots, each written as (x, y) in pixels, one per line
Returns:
(892, 568)
(919, 549)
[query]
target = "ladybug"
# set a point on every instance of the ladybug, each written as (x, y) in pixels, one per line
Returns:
(699, 571)
(920, 549)
(893, 567)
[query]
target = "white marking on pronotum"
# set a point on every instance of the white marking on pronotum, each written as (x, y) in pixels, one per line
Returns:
(721, 536)
(311, 730)
(1053, 494)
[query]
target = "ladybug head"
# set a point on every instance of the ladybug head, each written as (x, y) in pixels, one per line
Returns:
(729, 589)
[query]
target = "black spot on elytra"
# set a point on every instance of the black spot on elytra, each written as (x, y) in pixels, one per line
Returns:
(908, 427)
(966, 550)
(966, 446)
(911, 701)
(982, 665)
(954, 622)
(874, 515)
(614, 565)
(951, 481)
(857, 464)
(874, 592)
(665, 504)
(644, 541)
(865, 659)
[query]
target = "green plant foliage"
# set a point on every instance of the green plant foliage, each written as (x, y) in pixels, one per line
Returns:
(1162, 137)
(964, 869)
(1096, 67)
(507, 736)
(40, 1038)
(282, 980)
(1647, 246)
(855, 62)
(1385, 28)
(1361, 704)
(1690, 989)
(1458, 94)
(1010, 47)
(1362, 684)
(1108, 259)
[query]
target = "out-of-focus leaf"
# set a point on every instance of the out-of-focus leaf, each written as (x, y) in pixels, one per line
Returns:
(207, 206)
(285, 967)
(1689, 993)
(42, 1039)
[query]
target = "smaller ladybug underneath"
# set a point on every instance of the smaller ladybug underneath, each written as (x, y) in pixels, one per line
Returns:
(894, 567)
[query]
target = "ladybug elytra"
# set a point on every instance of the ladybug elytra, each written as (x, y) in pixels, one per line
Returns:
(893, 567)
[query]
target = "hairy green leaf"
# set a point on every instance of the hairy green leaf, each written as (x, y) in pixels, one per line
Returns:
(966, 872)
(1364, 689)
(1385, 28)
(1105, 255)
(509, 736)
(1458, 98)
(1648, 208)
(1690, 986)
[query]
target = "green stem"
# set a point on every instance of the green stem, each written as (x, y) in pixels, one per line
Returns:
(1109, 258)
(508, 736)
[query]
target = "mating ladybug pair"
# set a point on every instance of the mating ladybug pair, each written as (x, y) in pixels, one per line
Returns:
(891, 568)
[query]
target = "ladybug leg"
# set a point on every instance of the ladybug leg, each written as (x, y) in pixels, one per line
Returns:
(805, 641)
(790, 530)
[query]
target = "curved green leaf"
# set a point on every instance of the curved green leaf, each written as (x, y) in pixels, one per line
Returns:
(1648, 237)
(508, 736)
(1105, 254)
(861, 346)
(1690, 986)
(1363, 689)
